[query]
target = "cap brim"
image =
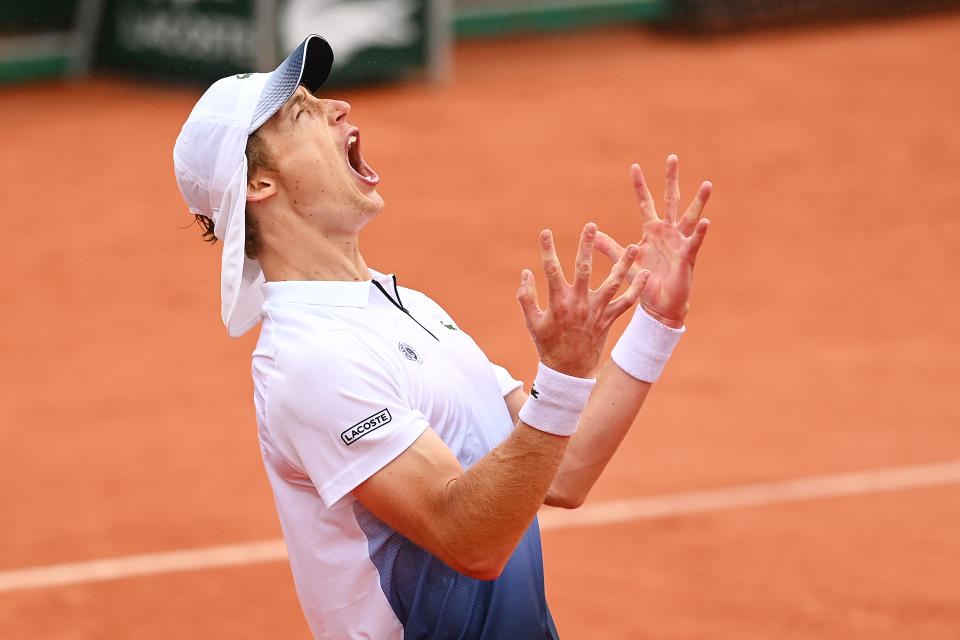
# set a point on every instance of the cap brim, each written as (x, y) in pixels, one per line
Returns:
(309, 65)
(317, 62)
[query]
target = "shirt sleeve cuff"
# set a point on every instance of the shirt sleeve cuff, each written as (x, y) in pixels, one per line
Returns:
(505, 381)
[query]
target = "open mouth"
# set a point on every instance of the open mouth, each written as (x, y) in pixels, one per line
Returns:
(355, 159)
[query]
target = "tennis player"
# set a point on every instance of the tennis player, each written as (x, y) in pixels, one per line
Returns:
(407, 468)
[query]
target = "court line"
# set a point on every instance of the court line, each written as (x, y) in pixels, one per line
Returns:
(755, 495)
(591, 514)
(230, 555)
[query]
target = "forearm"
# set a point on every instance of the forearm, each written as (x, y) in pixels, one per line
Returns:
(613, 406)
(473, 519)
(487, 509)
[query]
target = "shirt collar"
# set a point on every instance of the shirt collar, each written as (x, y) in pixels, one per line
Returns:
(331, 293)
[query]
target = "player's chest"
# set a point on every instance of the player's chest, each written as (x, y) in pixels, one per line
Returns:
(445, 376)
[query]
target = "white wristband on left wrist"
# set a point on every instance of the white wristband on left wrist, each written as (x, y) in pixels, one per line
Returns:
(645, 346)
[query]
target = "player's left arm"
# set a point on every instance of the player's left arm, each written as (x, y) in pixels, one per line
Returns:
(668, 251)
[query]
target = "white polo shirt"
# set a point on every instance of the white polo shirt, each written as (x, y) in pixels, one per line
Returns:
(346, 376)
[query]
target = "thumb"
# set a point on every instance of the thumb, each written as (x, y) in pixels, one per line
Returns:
(607, 246)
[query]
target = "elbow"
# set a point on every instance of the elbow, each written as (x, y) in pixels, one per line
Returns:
(487, 573)
(481, 567)
(565, 499)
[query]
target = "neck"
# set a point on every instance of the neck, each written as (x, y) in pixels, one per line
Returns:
(306, 253)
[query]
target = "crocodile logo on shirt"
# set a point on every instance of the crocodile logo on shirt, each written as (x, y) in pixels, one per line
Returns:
(365, 426)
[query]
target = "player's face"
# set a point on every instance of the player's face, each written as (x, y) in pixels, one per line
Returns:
(319, 169)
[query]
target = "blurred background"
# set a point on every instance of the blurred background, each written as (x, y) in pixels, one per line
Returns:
(375, 40)
(794, 474)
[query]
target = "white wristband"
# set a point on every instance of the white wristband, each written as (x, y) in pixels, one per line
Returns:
(556, 401)
(645, 346)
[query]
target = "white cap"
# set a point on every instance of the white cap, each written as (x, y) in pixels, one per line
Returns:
(211, 166)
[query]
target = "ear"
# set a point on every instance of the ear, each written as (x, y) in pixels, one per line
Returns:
(260, 187)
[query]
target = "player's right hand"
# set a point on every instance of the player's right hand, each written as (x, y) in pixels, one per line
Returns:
(571, 332)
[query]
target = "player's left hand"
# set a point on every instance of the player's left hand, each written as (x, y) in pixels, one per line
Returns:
(669, 246)
(570, 333)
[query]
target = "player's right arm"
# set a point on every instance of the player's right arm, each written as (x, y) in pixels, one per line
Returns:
(473, 519)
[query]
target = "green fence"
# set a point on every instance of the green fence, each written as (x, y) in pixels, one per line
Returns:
(36, 39)
(473, 19)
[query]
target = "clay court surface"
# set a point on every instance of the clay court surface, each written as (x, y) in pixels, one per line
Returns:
(824, 336)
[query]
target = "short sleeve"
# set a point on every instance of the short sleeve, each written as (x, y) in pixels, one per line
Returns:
(339, 410)
(505, 381)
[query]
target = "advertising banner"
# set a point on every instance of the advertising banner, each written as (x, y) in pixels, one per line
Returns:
(373, 40)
